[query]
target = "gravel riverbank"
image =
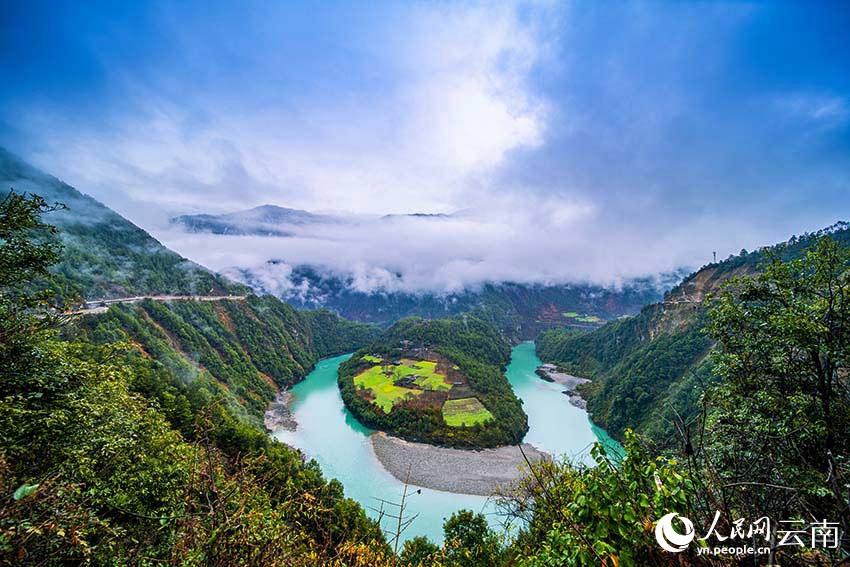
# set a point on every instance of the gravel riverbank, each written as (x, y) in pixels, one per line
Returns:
(453, 470)
(278, 415)
(569, 382)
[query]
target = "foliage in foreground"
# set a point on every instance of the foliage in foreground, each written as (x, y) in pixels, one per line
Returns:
(772, 440)
(597, 515)
(106, 457)
(777, 423)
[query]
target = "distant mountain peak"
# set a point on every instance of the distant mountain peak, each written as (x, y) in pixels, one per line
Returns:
(417, 216)
(276, 213)
(264, 220)
(274, 220)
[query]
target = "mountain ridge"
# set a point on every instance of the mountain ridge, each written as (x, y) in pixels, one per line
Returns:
(523, 310)
(105, 255)
(263, 220)
(277, 221)
(647, 368)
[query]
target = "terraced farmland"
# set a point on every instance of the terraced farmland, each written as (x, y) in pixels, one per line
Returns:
(465, 412)
(390, 383)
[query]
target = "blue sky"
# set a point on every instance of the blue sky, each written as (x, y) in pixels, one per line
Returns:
(638, 136)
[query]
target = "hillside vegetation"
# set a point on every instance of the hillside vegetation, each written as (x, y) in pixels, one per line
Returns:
(137, 421)
(239, 351)
(105, 255)
(651, 369)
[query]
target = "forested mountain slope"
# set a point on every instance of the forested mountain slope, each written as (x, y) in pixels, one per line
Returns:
(105, 255)
(647, 368)
(520, 310)
(242, 351)
(144, 393)
(143, 421)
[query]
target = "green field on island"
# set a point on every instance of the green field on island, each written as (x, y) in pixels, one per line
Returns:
(381, 380)
(465, 411)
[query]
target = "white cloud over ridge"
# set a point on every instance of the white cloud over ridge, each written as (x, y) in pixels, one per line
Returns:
(535, 242)
(590, 145)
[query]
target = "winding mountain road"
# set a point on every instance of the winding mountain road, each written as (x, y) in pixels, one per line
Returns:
(102, 306)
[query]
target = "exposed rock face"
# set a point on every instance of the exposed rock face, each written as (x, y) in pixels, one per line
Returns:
(550, 373)
(278, 415)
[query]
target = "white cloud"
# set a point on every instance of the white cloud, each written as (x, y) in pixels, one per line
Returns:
(821, 111)
(535, 240)
(471, 100)
(455, 101)
(587, 142)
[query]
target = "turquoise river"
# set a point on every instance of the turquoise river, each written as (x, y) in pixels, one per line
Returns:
(328, 433)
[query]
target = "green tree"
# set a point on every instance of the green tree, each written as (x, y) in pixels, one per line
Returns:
(27, 250)
(599, 515)
(418, 552)
(469, 541)
(778, 420)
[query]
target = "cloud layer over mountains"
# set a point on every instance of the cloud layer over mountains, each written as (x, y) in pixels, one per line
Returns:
(591, 144)
(534, 243)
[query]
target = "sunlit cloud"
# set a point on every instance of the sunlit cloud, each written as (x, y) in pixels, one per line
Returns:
(455, 110)
(582, 144)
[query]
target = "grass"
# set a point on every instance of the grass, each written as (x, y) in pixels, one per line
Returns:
(385, 392)
(465, 411)
(428, 377)
(582, 318)
(382, 384)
